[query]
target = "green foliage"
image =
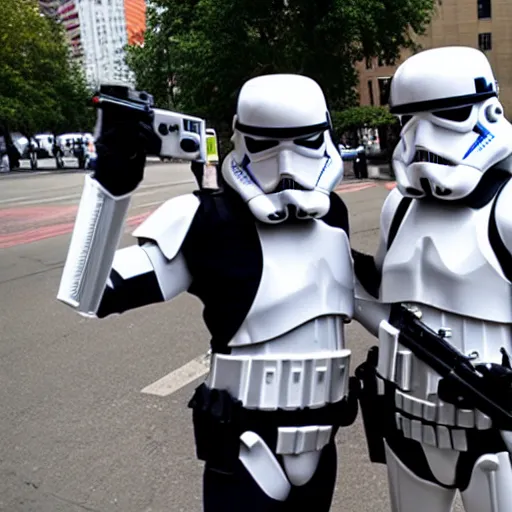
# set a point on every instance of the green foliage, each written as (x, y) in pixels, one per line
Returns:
(198, 53)
(152, 62)
(40, 89)
(355, 118)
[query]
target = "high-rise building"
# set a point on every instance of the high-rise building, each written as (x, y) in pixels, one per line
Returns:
(68, 15)
(49, 7)
(483, 24)
(135, 15)
(98, 32)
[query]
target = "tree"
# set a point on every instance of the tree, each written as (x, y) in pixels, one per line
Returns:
(356, 118)
(212, 46)
(152, 61)
(350, 123)
(40, 88)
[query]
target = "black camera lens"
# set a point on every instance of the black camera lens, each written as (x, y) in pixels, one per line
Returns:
(162, 129)
(189, 145)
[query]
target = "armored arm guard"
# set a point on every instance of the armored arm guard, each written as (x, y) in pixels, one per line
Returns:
(98, 228)
(139, 275)
(98, 280)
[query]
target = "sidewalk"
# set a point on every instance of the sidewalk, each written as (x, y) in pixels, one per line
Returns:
(375, 171)
(380, 172)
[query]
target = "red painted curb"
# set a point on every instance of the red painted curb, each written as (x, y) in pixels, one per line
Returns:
(34, 235)
(354, 187)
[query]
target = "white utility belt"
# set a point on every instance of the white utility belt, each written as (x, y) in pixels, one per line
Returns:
(437, 423)
(431, 422)
(270, 382)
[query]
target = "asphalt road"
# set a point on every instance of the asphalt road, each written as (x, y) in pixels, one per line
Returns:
(76, 432)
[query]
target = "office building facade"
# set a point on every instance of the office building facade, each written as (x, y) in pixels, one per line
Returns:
(483, 24)
(98, 32)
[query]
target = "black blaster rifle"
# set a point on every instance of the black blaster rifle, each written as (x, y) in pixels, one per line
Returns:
(486, 387)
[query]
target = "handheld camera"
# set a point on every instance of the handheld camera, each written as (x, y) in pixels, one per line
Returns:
(182, 136)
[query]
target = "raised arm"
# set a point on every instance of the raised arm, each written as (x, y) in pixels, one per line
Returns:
(99, 280)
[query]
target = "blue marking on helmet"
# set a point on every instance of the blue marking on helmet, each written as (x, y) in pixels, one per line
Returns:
(327, 164)
(484, 137)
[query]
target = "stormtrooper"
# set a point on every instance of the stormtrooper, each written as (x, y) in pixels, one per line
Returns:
(436, 392)
(268, 255)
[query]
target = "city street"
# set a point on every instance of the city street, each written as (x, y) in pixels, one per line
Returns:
(94, 413)
(48, 164)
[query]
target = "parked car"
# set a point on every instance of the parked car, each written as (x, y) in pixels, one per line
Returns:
(45, 144)
(27, 149)
(4, 157)
(9, 153)
(75, 145)
(350, 154)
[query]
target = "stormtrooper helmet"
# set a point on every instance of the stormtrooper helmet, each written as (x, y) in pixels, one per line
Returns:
(453, 125)
(284, 163)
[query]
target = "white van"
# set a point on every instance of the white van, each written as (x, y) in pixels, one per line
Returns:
(76, 145)
(45, 143)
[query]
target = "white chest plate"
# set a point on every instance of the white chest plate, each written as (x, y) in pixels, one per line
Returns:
(307, 273)
(442, 257)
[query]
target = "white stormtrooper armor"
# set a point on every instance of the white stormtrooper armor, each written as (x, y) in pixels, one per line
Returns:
(270, 260)
(446, 240)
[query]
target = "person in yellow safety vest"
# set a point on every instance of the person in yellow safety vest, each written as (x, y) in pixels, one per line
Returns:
(207, 174)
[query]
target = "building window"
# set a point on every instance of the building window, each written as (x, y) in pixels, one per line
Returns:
(370, 92)
(384, 83)
(369, 63)
(485, 41)
(484, 9)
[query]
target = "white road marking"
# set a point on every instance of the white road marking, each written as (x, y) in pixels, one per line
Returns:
(145, 205)
(158, 188)
(166, 184)
(17, 202)
(148, 190)
(180, 377)
(14, 199)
